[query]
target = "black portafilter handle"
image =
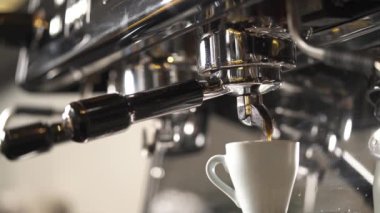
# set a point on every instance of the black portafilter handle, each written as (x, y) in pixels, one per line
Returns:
(37, 137)
(99, 116)
(83, 119)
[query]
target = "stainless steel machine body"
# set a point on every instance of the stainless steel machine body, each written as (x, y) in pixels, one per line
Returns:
(307, 74)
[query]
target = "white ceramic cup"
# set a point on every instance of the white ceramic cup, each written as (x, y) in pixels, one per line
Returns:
(262, 174)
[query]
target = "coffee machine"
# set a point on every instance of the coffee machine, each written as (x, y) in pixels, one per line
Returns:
(299, 70)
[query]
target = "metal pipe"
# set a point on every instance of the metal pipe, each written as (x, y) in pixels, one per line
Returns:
(340, 59)
(294, 24)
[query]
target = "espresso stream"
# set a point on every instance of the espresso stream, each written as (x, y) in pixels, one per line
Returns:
(269, 133)
(267, 124)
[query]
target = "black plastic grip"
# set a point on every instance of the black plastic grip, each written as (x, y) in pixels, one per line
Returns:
(23, 140)
(94, 117)
(102, 115)
(164, 100)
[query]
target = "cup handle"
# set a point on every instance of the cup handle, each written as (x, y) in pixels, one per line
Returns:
(211, 174)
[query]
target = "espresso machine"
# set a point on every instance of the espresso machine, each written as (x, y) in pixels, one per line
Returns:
(207, 72)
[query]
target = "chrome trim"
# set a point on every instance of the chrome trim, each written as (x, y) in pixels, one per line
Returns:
(106, 46)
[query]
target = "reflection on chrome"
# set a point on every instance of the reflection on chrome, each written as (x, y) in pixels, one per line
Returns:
(59, 2)
(76, 11)
(200, 140)
(332, 142)
(176, 137)
(347, 129)
(157, 172)
(129, 82)
(55, 26)
(188, 128)
(4, 117)
(374, 144)
(354, 163)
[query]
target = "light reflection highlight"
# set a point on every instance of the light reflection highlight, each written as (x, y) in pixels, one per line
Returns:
(76, 11)
(188, 128)
(129, 82)
(55, 26)
(59, 2)
(4, 117)
(200, 140)
(374, 144)
(347, 130)
(176, 137)
(367, 175)
(332, 142)
(157, 172)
